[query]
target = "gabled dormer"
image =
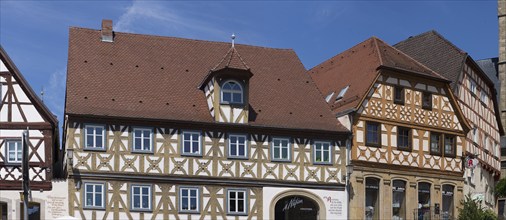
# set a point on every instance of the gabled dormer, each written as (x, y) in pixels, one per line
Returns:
(226, 87)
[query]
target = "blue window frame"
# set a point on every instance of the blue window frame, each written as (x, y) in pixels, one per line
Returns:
(231, 92)
(237, 202)
(94, 195)
(191, 143)
(189, 199)
(14, 151)
(237, 146)
(142, 139)
(322, 152)
(94, 137)
(141, 197)
(281, 150)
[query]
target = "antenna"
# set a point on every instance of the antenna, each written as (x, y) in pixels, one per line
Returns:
(233, 39)
(42, 94)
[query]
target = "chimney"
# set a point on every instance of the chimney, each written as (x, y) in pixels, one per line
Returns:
(107, 31)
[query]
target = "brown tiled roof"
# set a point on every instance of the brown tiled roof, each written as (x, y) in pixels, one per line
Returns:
(153, 77)
(231, 60)
(436, 52)
(358, 68)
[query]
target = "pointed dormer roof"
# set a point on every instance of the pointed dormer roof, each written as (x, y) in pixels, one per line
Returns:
(232, 59)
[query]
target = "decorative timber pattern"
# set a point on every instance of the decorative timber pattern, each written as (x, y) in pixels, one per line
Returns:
(379, 107)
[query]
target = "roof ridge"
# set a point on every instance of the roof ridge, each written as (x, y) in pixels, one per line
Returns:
(230, 51)
(375, 40)
(186, 39)
(437, 34)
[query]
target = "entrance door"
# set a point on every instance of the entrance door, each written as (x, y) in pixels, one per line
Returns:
(296, 208)
(33, 211)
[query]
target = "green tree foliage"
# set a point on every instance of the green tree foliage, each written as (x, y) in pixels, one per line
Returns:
(472, 210)
(500, 188)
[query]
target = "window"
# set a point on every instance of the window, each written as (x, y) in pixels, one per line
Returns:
(231, 93)
(399, 95)
(33, 211)
(372, 198)
(237, 202)
(143, 139)
(322, 152)
(447, 212)
(342, 93)
(472, 86)
(403, 138)
(484, 97)
(191, 143)
(475, 135)
(424, 200)
(435, 143)
(95, 137)
(141, 197)
(280, 149)
(373, 134)
(237, 146)
(14, 151)
(3, 210)
(427, 101)
(94, 195)
(449, 145)
(399, 199)
(189, 199)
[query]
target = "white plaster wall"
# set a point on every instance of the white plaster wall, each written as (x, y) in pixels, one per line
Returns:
(54, 203)
(269, 193)
(479, 182)
(2, 67)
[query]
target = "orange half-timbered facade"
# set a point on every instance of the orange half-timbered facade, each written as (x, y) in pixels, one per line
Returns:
(477, 98)
(21, 109)
(197, 130)
(408, 132)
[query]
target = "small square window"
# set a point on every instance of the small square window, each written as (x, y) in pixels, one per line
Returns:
(435, 143)
(94, 137)
(281, 149)
(472, 86)
(238, 146)
(484, 98)
(427, 101)
(191, 143)
(237, 202)
(373, 134)
(449, 145)
(142, 139)
(189, 200)
(141, 197)
(403, 138)
(399, 95)
(94, 195)
(14, 151)
(322, 153)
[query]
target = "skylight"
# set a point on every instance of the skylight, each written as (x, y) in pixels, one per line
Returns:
(342, 92)
(329, 96)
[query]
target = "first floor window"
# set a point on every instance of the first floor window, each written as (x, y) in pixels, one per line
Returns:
(435, 143)
(237, 201)
(14, 151)
(373, 134)
(322, 152)
(237, 146)
(189, 199)
(449, 145)
(94, 195)
(143, 139)
(281, 149)
(191, 143)
(403, 138)
(94, 137)
(141, 197)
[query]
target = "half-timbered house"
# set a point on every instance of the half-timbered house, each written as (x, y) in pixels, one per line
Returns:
(477, 98)
(408, 132)
(21, 109)
(172, 128)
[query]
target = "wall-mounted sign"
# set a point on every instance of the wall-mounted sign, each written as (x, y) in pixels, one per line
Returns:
(292, 203)
(471, 162)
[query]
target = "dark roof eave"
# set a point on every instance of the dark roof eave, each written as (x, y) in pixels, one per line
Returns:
(217, 125)
(212, 73)
(413, 72)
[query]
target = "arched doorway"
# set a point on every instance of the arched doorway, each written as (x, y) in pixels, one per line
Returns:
(296, 207)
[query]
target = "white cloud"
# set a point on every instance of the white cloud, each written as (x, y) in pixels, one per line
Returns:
(54, 94)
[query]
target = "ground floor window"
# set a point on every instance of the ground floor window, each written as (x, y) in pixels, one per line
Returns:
(371, 198)
(399, 200)
(447, 212)
(296, 208)
(3, 211)
(424, 200)
(237, 202)
(500, 206)
(33, 211)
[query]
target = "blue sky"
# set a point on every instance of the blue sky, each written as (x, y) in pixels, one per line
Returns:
(35, 33)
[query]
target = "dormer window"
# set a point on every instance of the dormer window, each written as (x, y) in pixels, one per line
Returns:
(232, 92)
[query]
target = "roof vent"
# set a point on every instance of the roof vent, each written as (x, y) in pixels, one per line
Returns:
(341, 93)
(107, 31)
